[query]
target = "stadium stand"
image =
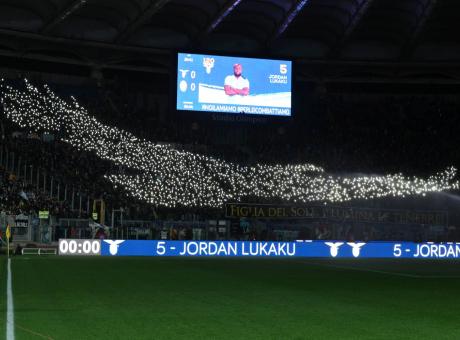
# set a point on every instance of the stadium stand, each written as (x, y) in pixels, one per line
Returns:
(83, 174)
(115, 148)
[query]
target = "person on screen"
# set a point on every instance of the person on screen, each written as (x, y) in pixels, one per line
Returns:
(236, 84)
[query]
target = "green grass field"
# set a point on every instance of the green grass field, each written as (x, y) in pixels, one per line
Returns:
(193, 298)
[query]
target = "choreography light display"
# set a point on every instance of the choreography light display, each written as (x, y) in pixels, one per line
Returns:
(170, 177)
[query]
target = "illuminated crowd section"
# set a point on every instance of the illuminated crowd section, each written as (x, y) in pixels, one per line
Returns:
(170, 177)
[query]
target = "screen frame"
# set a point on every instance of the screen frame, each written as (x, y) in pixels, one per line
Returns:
(174, 75)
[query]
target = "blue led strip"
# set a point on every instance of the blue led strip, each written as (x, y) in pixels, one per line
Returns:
(325, 249)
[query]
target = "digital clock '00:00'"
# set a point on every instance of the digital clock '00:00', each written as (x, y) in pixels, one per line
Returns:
(79, 247)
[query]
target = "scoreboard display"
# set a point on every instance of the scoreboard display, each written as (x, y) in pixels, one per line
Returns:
(300, 248)
(233, 85)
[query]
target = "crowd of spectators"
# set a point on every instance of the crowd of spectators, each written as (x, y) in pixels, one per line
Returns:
(347, 131)
(19, 197)
(77, 172)
(344, 133)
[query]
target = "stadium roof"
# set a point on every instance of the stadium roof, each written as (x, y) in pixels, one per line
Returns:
(139, 33)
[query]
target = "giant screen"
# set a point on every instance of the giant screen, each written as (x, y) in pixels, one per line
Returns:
(233, 84)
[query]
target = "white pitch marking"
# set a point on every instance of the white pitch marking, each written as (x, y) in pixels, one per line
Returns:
(10, 306)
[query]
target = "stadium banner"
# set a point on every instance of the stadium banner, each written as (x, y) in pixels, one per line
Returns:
(236, 85)
(299, 249)
(242, 210)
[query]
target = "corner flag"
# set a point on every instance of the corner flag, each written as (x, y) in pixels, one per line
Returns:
(8, 235)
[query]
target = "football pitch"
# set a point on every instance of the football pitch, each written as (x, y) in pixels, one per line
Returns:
(215, 298)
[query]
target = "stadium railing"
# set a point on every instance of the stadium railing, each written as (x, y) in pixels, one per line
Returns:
(39, 251)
